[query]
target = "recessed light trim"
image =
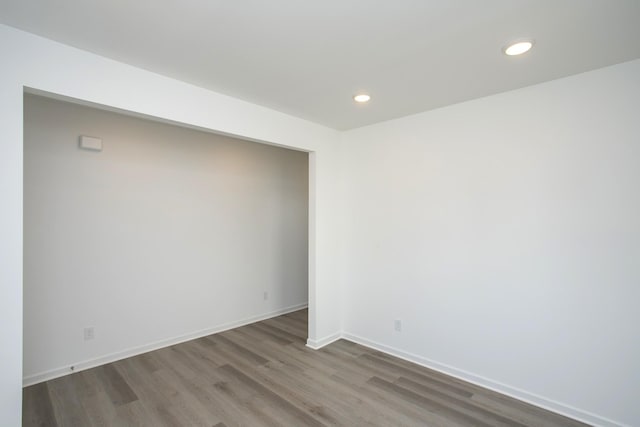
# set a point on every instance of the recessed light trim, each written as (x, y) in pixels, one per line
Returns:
(518, 48)
(361, 98)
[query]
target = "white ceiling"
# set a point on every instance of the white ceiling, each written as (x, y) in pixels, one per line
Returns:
(308, 58)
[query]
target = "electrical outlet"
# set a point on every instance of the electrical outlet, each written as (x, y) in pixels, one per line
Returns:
(397, 325)
(89, 333)
(266, 295)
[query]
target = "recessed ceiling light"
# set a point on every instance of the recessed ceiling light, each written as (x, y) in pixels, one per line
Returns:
(361, 98)
(518, 48)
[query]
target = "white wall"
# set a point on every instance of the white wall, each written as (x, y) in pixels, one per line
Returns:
(34, 62)
(503, 231)
(505, 234)
(165, 232)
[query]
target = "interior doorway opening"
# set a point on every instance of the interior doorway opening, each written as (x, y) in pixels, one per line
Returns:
(164, 235)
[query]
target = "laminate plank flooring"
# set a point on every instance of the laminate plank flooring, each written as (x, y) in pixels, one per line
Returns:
(264, 375)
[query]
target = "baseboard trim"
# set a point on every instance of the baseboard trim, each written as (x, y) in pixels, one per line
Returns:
(318, 344)
(534, 399)
(516, 393)
(134, 351)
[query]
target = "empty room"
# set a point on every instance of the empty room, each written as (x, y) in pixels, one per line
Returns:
(407, 213)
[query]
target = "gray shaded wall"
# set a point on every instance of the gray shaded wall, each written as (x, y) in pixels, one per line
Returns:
(166, 234)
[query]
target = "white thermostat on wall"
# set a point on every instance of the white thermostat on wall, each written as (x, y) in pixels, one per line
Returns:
(90, 143)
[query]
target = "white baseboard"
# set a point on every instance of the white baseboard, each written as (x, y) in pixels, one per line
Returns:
(134, 351)
(534, 399)
(318, 344)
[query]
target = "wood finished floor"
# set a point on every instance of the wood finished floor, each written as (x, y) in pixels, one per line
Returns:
(263, 375)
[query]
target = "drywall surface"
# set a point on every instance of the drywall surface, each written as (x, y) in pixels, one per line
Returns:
(40, 64)
(505, 234)
(10, 252)
(164, 232)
